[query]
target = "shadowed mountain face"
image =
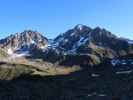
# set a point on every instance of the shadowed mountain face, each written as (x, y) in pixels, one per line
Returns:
(24, 41)
(99, 83)
(82, 37)
(97, 44)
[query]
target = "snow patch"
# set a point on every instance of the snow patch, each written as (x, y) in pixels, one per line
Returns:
(33, 42)
(82, 41)
(22, 54)
(124, 72)
(40, 40)
(44, 47)
(114, 62)
(102, 95)
(72, 34)
(66, 40)
(96, 94)
(130, 41)
(95, 75)
(10, 51)
(80, 27)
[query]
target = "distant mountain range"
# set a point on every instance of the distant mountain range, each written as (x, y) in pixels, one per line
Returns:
(79, 45)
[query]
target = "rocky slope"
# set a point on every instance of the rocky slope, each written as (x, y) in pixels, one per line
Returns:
(80, 45)
(22, 42)
(81, 37)
(95, 44)
(3, 54)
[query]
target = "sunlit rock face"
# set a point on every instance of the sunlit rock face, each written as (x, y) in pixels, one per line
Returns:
(24, 41)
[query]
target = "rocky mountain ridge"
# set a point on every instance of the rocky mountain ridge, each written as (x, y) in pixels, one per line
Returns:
(23, 42)
(81, 43)
(81, 35)
(64, 65)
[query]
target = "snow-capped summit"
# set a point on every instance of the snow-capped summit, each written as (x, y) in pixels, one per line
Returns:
(79, 27)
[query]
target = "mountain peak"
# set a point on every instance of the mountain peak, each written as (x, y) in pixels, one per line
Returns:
(25, 40)
(81, 27)
(30, 33)
(81, 36)
(98, 28)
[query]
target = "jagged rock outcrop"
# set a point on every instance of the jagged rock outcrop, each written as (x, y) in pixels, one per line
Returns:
(25, 41)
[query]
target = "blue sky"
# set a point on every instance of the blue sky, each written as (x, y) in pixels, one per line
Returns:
(52, 17)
